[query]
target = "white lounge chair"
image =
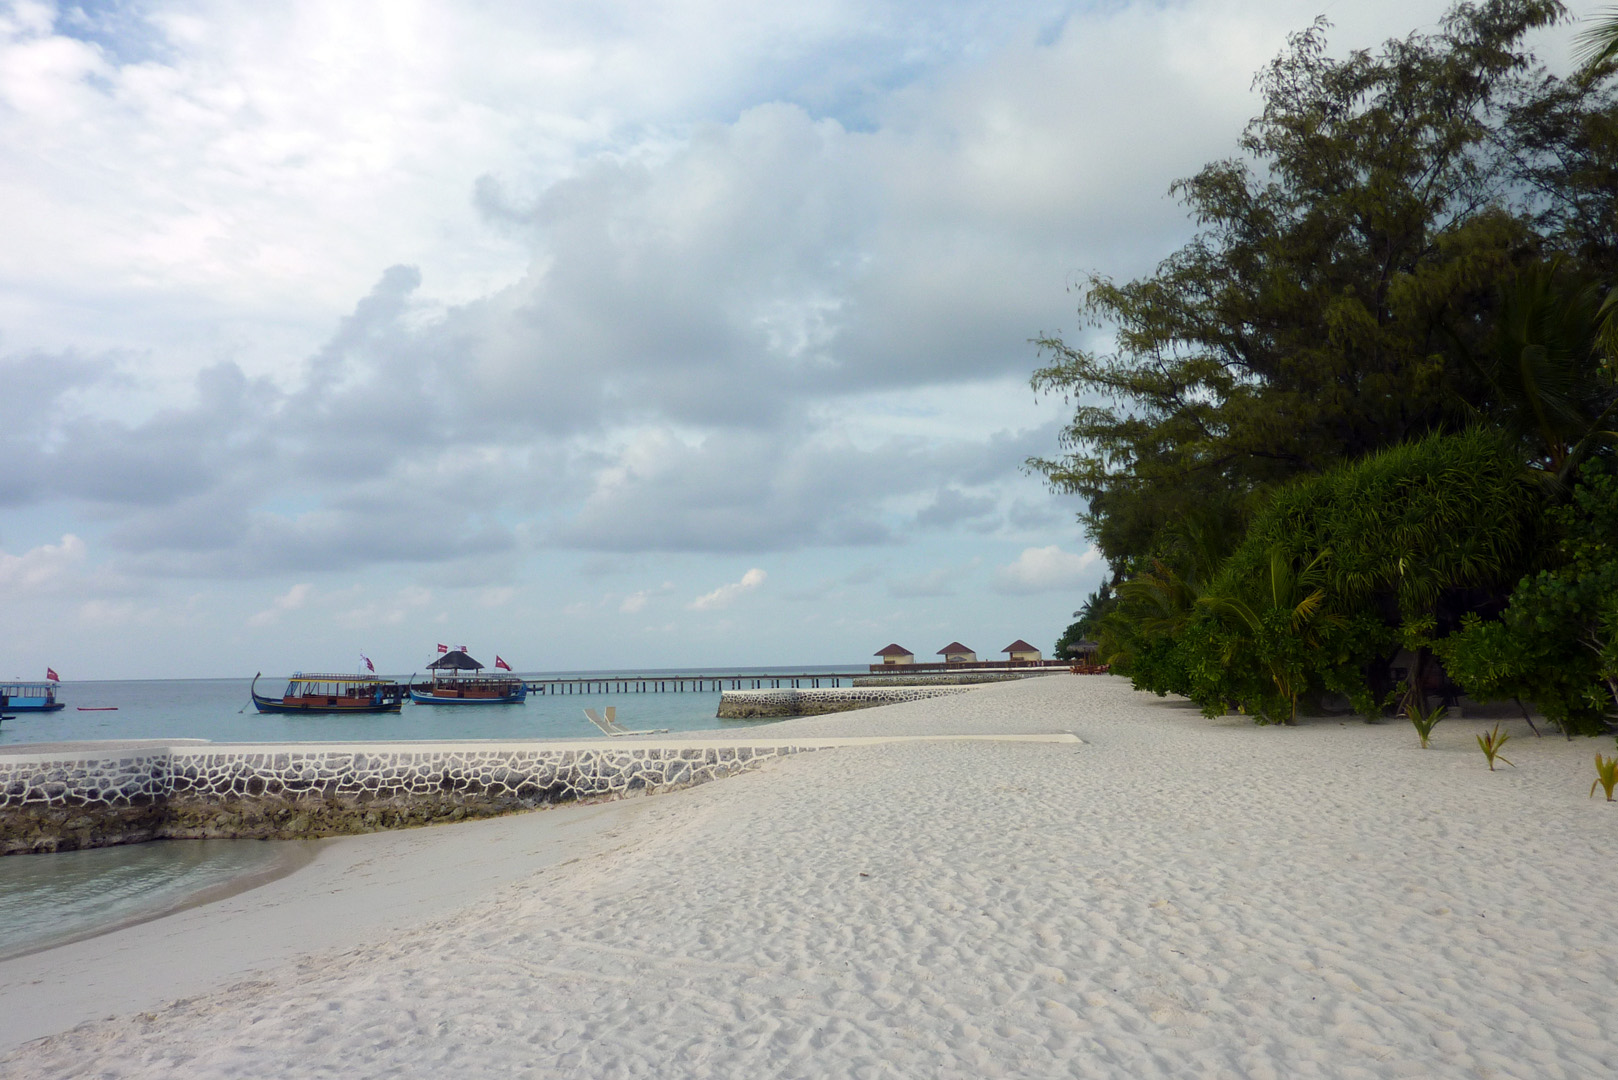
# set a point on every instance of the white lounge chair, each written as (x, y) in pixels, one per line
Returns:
(610, 725)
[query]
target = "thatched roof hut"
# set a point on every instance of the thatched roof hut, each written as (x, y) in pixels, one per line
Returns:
(455, 661)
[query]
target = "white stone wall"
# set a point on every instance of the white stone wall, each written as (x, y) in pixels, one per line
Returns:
(360, 774)
(745, 704)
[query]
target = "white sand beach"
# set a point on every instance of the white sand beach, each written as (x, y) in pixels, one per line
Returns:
(1173, 897)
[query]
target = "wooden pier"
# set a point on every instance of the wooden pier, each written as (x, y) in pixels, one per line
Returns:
(686, 684)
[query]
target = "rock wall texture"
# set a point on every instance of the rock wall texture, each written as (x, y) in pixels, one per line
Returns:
(758, 704)
(64, 801)
(962, 679)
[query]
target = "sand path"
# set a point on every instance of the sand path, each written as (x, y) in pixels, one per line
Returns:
(1176, 897)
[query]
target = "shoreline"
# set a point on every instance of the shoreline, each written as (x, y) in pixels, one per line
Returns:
(1171, 896)
(292, 856)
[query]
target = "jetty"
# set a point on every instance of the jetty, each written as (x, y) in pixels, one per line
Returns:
(687, 684)
(684, 683)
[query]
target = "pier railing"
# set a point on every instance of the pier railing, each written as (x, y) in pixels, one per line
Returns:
(812, 680)
(693, 684)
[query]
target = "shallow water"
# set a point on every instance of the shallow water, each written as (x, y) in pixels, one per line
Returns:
(48, 900)
(220, 710)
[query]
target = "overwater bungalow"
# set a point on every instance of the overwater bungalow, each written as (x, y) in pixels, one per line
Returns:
(956, 653)
(893, 655)
(1021, 651)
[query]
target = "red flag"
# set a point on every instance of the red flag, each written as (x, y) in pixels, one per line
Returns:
(51, 676)
(499, 663)
(368, 665)
(460, 648)
(443, 648)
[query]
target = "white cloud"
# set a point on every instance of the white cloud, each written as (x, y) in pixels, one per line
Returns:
(1045, 569)
(726, 595)
(291, 600)
(42, 569)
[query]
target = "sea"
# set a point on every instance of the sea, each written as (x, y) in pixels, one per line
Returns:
(50, 900)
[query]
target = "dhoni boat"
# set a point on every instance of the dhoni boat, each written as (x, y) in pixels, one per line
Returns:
(331, 694)
(451, 685)
(29, 697)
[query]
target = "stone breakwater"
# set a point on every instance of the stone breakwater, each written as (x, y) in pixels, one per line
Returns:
(70, 798)
(759, 704)
(962, 679)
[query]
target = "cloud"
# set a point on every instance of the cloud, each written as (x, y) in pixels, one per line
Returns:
(1046, 569)
(940, 582)
(291, 600)
(726, 595)
(41, 570)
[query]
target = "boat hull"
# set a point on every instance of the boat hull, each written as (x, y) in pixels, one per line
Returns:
(427, 697)
(26, 706)
(270, 705)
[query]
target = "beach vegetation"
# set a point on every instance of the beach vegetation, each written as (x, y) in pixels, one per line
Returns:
(1425, 721)
(1606, 775)
(1490, 743)
(1369, 414)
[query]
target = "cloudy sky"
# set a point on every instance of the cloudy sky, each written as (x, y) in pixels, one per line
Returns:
(594, 334)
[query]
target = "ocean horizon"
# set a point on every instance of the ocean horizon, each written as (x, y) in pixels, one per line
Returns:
(220, 710)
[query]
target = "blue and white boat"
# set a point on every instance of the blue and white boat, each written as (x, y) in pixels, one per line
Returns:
(29, 697)
(451, 685)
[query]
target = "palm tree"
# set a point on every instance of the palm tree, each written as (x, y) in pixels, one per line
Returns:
(1598, 43)
(1277, 613)
(1553, 340)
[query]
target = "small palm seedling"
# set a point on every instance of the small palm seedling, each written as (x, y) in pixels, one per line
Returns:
(1491, 744)
(1424, 721)
(1606, 775)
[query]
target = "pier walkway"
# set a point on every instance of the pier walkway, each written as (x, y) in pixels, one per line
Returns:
(688, 684)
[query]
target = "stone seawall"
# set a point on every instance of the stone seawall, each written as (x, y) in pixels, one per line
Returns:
(934, 680)
(760, 704)
(67, 798)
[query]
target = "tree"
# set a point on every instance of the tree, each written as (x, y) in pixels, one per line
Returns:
(1557, 641)
(1598, 43)
(1548, 377)
(1315, 318)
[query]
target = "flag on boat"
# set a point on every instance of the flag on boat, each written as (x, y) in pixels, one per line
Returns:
(368, 665)
(51, 676)
(442, 648)
(499, 663)
(460, 648)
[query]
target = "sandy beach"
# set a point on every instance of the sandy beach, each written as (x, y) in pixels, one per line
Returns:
(1174, 896)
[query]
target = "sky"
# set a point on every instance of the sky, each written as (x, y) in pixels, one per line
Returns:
(593, 335)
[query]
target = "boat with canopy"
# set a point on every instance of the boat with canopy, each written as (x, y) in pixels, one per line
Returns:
(457, 679)
(320, 693)
(29, 697)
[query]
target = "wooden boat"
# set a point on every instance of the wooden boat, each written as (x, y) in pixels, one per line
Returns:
(451, 685)
(332, 694)
(29, 697)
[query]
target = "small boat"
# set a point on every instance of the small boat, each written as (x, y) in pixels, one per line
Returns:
(96, 708)
(29, 697)
(451, 685)
(332, 694)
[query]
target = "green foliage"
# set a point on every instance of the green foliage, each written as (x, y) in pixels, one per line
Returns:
(1425, 721)
(1087, 619)
(1347, 256)
(1546, 381)
(1337, 570)
(1606, 775)
(1556, 643)
(1491, 742)
(1344, 419)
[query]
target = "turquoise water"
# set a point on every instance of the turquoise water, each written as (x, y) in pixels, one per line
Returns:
(51, 899)
(48, 900)
(219, 710)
